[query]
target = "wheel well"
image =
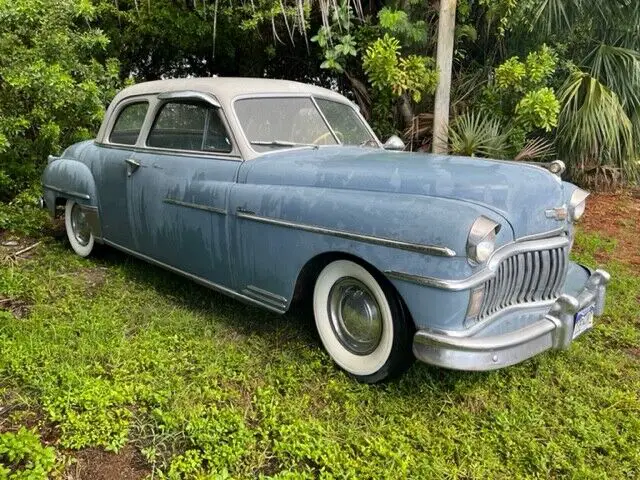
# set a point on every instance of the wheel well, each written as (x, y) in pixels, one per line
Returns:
(303, 292)
(60, 202)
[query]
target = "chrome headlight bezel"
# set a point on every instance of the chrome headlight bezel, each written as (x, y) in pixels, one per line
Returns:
(577, 204)
(481, 241)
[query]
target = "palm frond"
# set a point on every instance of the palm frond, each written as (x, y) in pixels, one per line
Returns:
(556, 15)
(536, 149)
(619, 69)
(593, 127)
(476, 134)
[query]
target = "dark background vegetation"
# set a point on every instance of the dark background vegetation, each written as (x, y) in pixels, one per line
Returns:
(532, 79)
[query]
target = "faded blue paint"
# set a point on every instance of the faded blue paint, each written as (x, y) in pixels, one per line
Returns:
(192, 239)
(517, 192)
(416, 198)
(69, 175)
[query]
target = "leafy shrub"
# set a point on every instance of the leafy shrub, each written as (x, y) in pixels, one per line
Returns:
(52, 87)
(23, 457)
(538, 109)
(521, 96)
(388, 71)
(23, 215)
(594, 127)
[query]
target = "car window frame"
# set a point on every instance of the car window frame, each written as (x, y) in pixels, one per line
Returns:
(127, 102)
(196, 97)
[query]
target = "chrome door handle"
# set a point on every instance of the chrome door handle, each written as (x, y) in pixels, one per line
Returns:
(132, 166)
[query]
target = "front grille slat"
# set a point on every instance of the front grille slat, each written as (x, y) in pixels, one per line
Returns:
(555, 262)
(519, 279)
(524, 278)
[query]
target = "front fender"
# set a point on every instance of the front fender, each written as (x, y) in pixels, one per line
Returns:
(70, 179)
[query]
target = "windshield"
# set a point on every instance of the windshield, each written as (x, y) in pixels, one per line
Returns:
(284, 122)
(346, 123)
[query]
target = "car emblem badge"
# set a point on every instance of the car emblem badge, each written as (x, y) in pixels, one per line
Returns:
(559, 213)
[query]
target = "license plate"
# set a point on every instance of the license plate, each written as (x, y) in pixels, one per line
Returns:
(583, 320)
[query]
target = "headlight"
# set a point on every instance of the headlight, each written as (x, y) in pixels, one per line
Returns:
(577, 204)
(482, 240)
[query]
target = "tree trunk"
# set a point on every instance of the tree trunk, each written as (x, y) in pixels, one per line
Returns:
(444, 60)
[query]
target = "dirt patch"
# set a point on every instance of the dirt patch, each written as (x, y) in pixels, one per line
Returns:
(94, 278)
(16, 413)
(616, 215)
(95, 464)
(13, 247)
(634, 352)
(20, 308)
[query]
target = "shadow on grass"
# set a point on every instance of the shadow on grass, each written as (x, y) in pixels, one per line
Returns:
(243, 317)
(287, 331)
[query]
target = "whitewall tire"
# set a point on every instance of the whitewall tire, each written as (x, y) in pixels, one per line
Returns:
(78, 230)
(361, 322)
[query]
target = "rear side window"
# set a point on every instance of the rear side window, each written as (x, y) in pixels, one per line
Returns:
(189, 126)
(129, 123)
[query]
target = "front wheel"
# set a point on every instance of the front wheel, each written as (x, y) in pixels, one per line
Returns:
(78, 229)
(361, 322)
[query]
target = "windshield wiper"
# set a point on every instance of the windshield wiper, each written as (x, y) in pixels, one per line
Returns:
(282, 143)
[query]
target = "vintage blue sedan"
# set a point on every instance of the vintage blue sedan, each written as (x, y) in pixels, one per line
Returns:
(277, 192)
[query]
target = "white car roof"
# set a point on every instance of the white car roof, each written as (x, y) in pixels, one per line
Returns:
(225, 89)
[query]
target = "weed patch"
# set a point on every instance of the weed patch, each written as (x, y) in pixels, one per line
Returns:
(143, 372)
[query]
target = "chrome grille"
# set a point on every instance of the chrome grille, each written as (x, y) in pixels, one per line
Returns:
(525, 277)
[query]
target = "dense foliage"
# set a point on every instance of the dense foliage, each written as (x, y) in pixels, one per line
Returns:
(54, 82)
(563, 75)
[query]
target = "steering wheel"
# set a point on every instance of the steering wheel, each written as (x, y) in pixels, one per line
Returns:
(326, 135)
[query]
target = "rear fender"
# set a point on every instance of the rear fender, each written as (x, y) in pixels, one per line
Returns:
(71, 179)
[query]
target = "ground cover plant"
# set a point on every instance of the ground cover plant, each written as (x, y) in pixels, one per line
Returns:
(112, 368)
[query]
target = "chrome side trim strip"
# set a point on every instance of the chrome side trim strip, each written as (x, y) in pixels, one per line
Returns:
(71, 193)
(387, 242)
(488, 271)
(453, 285)
(197, 206)
(265, 296)
(200, 280)
(234, 157)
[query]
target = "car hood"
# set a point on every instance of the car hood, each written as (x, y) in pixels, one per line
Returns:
(520, 193)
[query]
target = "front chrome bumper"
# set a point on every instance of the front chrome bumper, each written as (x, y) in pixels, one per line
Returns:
(552, 330)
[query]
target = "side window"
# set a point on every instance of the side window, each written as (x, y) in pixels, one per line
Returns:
(189, 126)
(128, 124)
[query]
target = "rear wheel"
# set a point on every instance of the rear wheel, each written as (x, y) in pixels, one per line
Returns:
(361, 322)
(78, 229)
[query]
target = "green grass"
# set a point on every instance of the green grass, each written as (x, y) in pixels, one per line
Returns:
(116, 352)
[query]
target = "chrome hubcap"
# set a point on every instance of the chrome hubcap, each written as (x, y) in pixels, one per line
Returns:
(79, 225)
(355, 316)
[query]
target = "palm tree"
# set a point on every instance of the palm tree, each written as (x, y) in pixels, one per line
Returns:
(599, 125)
(444, 61)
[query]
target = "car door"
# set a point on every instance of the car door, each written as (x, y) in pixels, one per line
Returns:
(179, 190)
(111, 169)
